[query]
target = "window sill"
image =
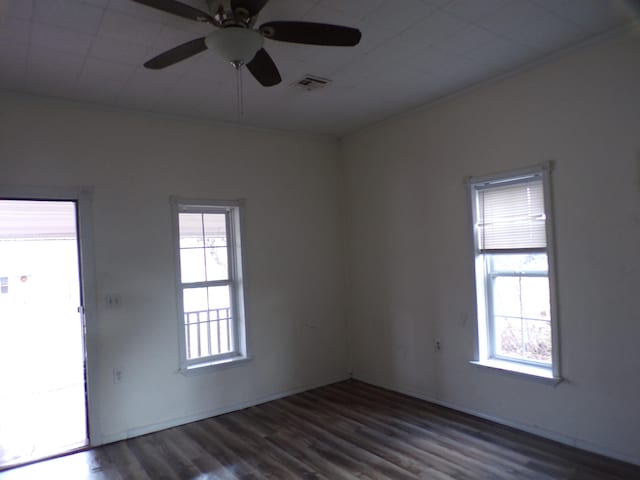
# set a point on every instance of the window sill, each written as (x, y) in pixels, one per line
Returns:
(214, 366)
(531, 372)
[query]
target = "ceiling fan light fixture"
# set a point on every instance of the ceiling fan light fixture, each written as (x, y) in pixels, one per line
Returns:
(237, 41)
(237, 45)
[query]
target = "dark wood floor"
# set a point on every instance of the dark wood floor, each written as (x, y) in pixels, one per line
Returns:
(349, 430)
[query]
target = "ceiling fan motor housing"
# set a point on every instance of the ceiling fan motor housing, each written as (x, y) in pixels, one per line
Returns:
(235, 44)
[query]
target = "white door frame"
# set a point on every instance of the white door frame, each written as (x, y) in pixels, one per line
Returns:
(83, 197)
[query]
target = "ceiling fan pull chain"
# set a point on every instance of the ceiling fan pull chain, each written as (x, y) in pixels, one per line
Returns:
(239, 92)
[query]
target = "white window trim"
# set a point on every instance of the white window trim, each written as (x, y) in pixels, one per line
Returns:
(240, 354)
(481, 354)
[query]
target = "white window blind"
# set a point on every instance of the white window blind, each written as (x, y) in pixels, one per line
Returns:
(511, 217)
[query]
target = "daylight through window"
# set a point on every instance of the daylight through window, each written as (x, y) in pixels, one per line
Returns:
(209, 259)
(514, 288)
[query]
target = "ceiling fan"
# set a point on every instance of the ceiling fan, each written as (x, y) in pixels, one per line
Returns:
(236, 39)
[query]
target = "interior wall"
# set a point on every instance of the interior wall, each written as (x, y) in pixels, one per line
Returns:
(411, 256)
(132, 163)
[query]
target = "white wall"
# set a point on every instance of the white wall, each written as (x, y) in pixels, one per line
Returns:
(411, 268)
(133, 163)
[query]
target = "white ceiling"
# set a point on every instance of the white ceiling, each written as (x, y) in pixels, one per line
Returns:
(412, 52)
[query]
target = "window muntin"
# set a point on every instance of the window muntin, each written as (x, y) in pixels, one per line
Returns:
(514, 283)
(209, 278)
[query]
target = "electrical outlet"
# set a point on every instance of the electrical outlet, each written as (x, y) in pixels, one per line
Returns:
(118, 375)
(438, 345)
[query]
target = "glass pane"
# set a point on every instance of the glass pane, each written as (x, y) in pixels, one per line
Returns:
(192, 265)
(196, 343)
(208, 324)
(537, 340)
(217, 263)
(215, 229)
(519, 262)
(507, 296)
(191, 230)
(219, 297)
(508, 337)
(535, 298)
(194, 300)
(205, 337)
(225, 335)
(220, 316)
(196, 321)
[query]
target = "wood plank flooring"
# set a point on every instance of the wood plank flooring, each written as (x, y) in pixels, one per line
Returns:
(348, 430)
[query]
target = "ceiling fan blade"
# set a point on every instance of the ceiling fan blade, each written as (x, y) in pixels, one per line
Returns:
(252, 6)
(176, 54)
(311, 33)
(264, 70)
(178, 8)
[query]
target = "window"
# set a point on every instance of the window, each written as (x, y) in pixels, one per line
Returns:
(517, 327)
(4, 284)
(210, 292)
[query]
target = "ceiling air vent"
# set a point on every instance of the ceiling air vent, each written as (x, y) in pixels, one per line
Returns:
(311, 82)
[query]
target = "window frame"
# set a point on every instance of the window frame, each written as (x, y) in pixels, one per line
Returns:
(484, 341)
(234, 213)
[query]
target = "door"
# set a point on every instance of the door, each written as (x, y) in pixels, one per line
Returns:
(43, 408)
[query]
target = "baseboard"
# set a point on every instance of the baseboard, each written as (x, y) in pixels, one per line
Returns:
(174, 422)
(540, 432)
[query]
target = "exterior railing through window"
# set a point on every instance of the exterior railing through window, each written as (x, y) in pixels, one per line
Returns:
(208, 332)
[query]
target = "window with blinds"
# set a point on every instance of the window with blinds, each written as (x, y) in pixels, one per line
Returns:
(515, 289)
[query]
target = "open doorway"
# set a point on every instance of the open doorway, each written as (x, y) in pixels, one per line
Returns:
(43, 407)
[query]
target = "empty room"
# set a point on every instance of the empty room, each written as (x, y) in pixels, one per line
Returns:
(319, 239)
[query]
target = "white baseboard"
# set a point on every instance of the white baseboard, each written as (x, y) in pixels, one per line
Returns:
(541, 432)
(174, 422)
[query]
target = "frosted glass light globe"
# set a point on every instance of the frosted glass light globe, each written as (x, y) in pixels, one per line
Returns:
(235, 44)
